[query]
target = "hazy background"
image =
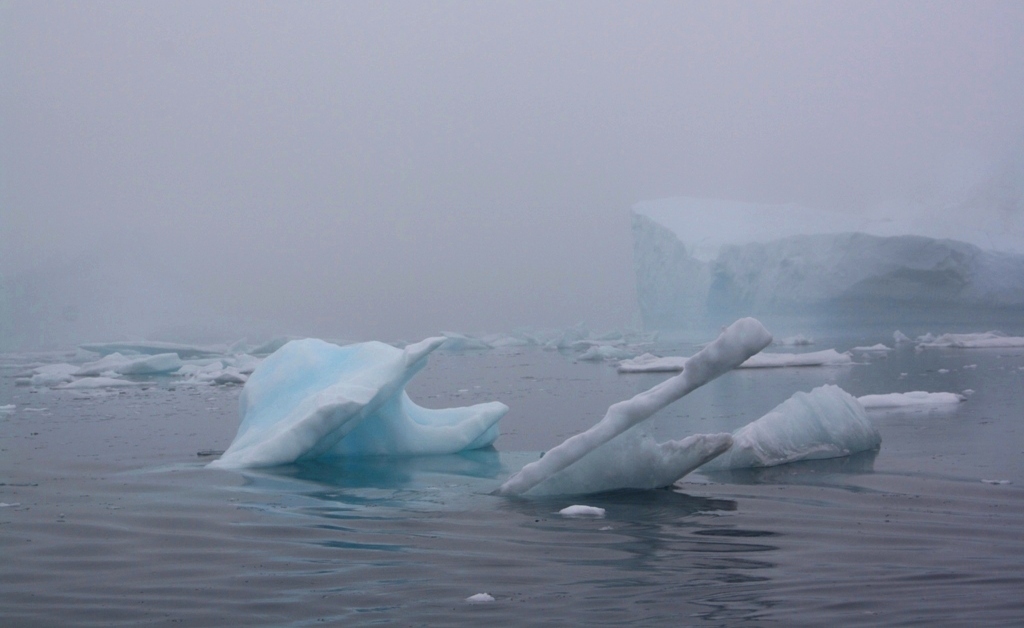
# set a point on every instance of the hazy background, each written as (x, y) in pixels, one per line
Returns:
(395, 169)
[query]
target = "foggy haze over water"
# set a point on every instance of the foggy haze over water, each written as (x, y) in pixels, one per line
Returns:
(396, 169)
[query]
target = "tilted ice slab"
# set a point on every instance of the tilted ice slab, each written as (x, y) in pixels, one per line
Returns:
(596, 460)
(648, 363)
(135, 365)
(314, 400)
(985, 340)
(152, 348)
(827, 422)
(909, 399)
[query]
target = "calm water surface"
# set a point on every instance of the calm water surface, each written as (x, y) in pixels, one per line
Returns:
(110, 518)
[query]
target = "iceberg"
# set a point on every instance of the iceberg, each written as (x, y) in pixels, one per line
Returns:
(984, 340)
(827, 422)
(48, 375)
(136, 365)
(596, 460)
(649, 363)
(312, 400)
(153, 348)
(702, 259)
(909, 399)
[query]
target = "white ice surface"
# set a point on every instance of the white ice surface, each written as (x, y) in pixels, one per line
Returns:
(909, 399)
(153, 348)
(983, 340)
(580, 510)
(648, 363)
(131, 365)
(97, 382)
(638, 462)
(825, 423)
(314, 400)
(878, 348)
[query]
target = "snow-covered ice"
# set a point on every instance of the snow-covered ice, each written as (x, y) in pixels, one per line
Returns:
(480, 598)
(648, 363)
(593, 461)
(909, 399)
(314, 400)
(827, 422)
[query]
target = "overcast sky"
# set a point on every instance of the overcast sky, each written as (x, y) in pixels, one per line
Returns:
(396, 169)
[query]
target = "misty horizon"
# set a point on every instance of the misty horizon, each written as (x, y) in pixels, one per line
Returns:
(392, 170)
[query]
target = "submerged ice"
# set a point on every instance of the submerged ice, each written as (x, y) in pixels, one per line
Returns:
(314, 400)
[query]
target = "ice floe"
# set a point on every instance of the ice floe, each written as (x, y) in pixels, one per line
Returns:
(314, 400)
(648, 363)
(134, 365)
(909, 399)
(579, 510)
(983, 340)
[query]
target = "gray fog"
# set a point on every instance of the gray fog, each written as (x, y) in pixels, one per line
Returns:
(395, 169)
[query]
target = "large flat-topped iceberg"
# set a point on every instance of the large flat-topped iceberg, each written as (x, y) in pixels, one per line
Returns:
(699, 259)
(314, 400)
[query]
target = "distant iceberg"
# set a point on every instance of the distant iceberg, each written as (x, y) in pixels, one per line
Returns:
(312, 400)
(705, 259)
(648, 363)
(909, 399)
(984, 340)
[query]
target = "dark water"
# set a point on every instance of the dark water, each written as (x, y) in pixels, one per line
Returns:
(111, 519)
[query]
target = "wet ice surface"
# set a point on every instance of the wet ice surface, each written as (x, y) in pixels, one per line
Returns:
(112, 519)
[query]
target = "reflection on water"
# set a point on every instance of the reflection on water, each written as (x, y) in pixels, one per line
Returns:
(803, 472)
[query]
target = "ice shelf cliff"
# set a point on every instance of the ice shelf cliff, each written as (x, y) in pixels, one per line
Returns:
(701, 259)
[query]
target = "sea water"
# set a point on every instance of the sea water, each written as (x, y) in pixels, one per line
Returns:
(109, 517)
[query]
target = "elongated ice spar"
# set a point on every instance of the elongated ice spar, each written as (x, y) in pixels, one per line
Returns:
(736, 344)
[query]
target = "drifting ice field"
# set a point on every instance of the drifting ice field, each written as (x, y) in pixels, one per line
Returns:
(109, 516)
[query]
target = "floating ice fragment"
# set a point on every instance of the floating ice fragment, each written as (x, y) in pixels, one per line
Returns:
(136, 365)
(997, 482)
(314, 400)
(878, 348)
(648, 363)
(908, 399)
(579, 510)
(985, 340)
(598, 353)
(479, 598)
(604, 469)
(97, 382)
(827, 422)
(9, 408)
(153, 348)
(900, 338)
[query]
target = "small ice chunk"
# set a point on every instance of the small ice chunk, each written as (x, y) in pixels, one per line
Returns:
(970, 366)
(605, 352)
(900, 338)
(909, 399)
(827, 422)
(480, 598)
(878, 348)
(9, 408)
(997, 482)
(579, 510)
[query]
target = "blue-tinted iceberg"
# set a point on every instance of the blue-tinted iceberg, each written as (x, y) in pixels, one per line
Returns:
(314, 400)
(827, 422)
